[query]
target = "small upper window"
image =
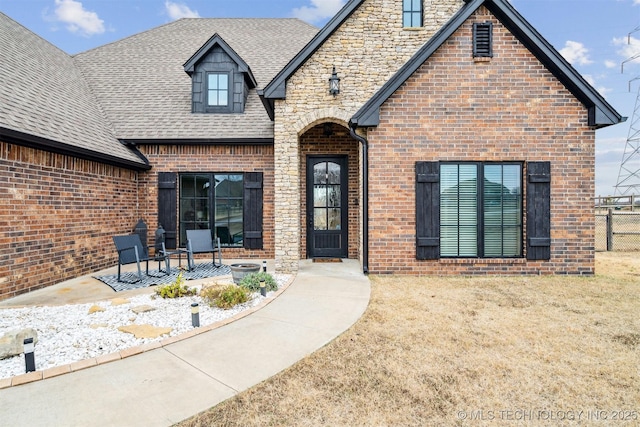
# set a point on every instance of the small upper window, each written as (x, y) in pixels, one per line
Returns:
(412, 13)
(217, 89)
(482, 40)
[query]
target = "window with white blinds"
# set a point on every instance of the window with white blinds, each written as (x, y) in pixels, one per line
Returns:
(480, 210)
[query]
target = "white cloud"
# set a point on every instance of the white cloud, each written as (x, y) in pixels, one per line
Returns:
(575, 53)
(636, 1)
(78, 19)
(179, 10)
(319, 10)
(611, 64)
(629, 48)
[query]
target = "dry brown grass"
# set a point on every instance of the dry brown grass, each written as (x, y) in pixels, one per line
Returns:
(437, 351)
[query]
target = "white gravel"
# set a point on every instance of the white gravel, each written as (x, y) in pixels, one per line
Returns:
(69, 333)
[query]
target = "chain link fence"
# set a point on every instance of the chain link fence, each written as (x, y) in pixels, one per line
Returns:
(618, 231)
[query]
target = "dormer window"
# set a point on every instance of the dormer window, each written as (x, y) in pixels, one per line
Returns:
(217, 89)
(220, 79)
(412, 13)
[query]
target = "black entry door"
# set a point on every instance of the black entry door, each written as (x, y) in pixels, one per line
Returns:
(327, 207)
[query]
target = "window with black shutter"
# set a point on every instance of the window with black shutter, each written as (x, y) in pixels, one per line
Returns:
(253, 211)
(475, 210)
(427, 210)
(230, 204)
(167, 207)
(538, 210)
(483, 40)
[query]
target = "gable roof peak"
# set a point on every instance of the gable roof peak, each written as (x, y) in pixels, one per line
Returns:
(217, 40)
(601, 113)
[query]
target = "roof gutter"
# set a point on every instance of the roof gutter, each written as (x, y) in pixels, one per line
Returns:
(365, 195)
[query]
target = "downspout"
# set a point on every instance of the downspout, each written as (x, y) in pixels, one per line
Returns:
(365, 195)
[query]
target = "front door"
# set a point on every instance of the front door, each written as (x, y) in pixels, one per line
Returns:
(327, 206)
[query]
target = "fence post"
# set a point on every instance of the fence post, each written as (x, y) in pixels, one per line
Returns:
(610, 230)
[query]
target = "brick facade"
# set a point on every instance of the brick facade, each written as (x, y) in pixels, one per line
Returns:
(59, 213)
(509, 108)
(57, 216)
(211, 158)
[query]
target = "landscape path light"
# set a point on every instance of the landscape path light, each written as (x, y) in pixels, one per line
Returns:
(29, 358)
(195, 315)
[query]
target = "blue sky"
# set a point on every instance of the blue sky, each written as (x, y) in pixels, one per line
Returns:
(592, 34)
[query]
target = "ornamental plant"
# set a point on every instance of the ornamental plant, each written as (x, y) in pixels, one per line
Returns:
(176, 289)
(231, 296)
(252, 282)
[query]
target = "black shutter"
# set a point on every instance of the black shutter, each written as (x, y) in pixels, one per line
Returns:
(427, 210)
(252, 219)
(168, 206)
(538, 210)
(482, 40)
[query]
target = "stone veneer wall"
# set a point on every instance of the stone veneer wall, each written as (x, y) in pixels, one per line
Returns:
(366, 51)
(211, 158)
(57, 217)
(509, 108)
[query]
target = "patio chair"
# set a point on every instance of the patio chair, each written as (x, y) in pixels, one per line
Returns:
(130, 249)
(202, 241)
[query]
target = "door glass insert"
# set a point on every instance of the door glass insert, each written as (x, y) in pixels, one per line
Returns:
(327, 209)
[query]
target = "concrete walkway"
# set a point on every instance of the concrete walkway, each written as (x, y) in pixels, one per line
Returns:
(169, 384)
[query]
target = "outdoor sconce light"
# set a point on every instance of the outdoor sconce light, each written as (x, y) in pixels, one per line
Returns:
(195, 315)
(264, 266)
(334, 83)
(29, 358)
(263, 288)
(327, 129)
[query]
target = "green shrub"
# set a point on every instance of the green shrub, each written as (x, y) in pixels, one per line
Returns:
(211, 293)
(176, 289)
(231, 296)
(252, 282)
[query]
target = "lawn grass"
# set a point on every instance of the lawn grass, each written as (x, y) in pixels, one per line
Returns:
(543, 350)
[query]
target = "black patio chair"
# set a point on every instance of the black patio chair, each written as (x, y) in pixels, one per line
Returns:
(202, 241)
(130, 249)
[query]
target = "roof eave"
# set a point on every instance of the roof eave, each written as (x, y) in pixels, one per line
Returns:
(604, 114)
(26, 140)
(269, 104)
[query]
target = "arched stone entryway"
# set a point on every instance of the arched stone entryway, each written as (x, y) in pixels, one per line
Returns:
(330, 227)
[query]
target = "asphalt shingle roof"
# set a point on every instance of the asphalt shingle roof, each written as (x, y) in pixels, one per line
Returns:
(44, 94)
(141, 84)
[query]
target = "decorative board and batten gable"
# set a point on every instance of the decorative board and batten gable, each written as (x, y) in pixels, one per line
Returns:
(221, 79)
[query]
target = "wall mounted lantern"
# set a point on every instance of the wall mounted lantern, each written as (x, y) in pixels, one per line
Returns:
(334, 83)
